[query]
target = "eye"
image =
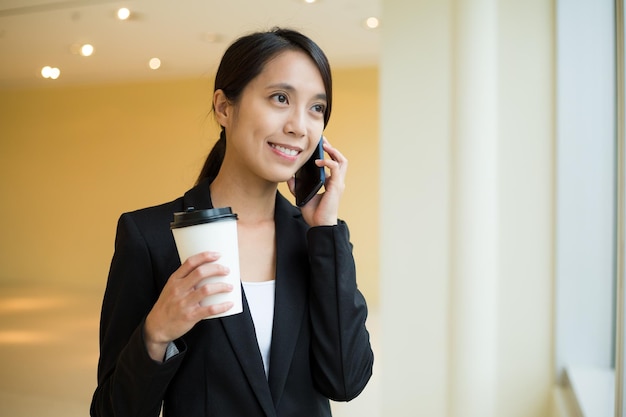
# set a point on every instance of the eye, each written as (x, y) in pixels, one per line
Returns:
(280, 98)
(319, 108)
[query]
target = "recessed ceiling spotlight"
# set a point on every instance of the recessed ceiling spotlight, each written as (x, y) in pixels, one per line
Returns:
(372, 22)
(310, 1)
(49, 72)
(155, 63)
(123, 13)
(86, 50)
(211, 37)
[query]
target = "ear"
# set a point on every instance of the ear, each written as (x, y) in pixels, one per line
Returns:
(222, 108)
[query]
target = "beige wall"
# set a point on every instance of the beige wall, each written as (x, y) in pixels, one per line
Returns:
(73, 159)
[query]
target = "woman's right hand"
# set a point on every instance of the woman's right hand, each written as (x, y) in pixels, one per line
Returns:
(178, 308)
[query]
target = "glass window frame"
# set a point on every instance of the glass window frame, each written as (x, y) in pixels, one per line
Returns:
(590, 314)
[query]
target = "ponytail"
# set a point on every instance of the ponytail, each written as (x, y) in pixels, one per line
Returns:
(213, 162)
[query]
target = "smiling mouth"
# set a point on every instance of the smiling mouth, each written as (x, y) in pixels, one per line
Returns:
(286, 151)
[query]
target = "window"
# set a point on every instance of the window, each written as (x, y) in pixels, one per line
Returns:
(587, 212)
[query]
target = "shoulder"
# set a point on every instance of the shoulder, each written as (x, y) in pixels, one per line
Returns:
(161, 213)
(154, 222)
(157, 213)
(149, 224)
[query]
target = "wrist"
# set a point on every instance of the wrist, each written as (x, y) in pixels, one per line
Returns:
(325, 221)
(155, 345)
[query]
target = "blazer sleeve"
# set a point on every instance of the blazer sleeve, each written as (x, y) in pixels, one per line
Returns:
(342, 357)
(130, 383)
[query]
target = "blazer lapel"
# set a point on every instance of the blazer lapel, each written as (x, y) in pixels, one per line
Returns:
(239, 328)
(240, 331)
(291, 291)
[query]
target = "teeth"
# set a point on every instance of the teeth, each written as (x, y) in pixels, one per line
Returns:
(290, 152)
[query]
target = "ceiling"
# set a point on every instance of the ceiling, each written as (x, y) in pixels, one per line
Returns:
(188, 36)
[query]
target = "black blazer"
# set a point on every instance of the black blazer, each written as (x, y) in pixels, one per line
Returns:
(320, 346)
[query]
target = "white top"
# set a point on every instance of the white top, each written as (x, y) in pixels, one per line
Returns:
(260, 296)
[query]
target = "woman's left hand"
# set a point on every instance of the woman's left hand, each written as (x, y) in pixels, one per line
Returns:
(322, 210)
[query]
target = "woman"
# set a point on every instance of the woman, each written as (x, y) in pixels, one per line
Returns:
(272, 99)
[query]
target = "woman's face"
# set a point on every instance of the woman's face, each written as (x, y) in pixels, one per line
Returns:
(279, 119)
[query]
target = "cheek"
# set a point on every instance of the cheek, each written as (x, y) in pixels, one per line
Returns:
(264, 123)
(314, 140)
(317, 133)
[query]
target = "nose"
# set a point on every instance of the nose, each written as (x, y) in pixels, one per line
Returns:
(296, 123)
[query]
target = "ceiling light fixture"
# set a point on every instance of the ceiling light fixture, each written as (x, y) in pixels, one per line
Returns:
(155, 63)
(211, 37)
(49, 72)
(372, 22)
(310, 1)
(86, 50)
(123, 13)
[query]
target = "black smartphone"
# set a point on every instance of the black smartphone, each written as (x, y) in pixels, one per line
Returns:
(310, 178)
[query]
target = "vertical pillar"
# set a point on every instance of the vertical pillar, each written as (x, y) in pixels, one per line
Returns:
(473, 288)
(466, 207)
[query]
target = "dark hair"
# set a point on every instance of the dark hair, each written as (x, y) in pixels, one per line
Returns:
(244, 60)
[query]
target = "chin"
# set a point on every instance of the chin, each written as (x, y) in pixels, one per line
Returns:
(283, 179)
(279, 177)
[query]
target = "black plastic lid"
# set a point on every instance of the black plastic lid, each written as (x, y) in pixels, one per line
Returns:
(192, 217)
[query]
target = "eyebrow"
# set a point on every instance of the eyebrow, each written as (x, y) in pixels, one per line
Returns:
(290, 88)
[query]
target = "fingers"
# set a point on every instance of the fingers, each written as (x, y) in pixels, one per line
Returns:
(200, 266)
(180, 305)
(202, 281)
(193, 262)
(213, 309)
(207, 289)
(324, 208)
(334, 153)
(337, 163)
(199, 277)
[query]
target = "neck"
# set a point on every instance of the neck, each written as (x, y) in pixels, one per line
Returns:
(253, 203)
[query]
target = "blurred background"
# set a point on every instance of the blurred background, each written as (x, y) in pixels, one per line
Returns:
(483, 195)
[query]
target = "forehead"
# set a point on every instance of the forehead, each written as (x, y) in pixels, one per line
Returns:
(293, 67)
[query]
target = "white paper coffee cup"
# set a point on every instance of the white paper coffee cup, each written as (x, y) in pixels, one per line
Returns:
(212, 230)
